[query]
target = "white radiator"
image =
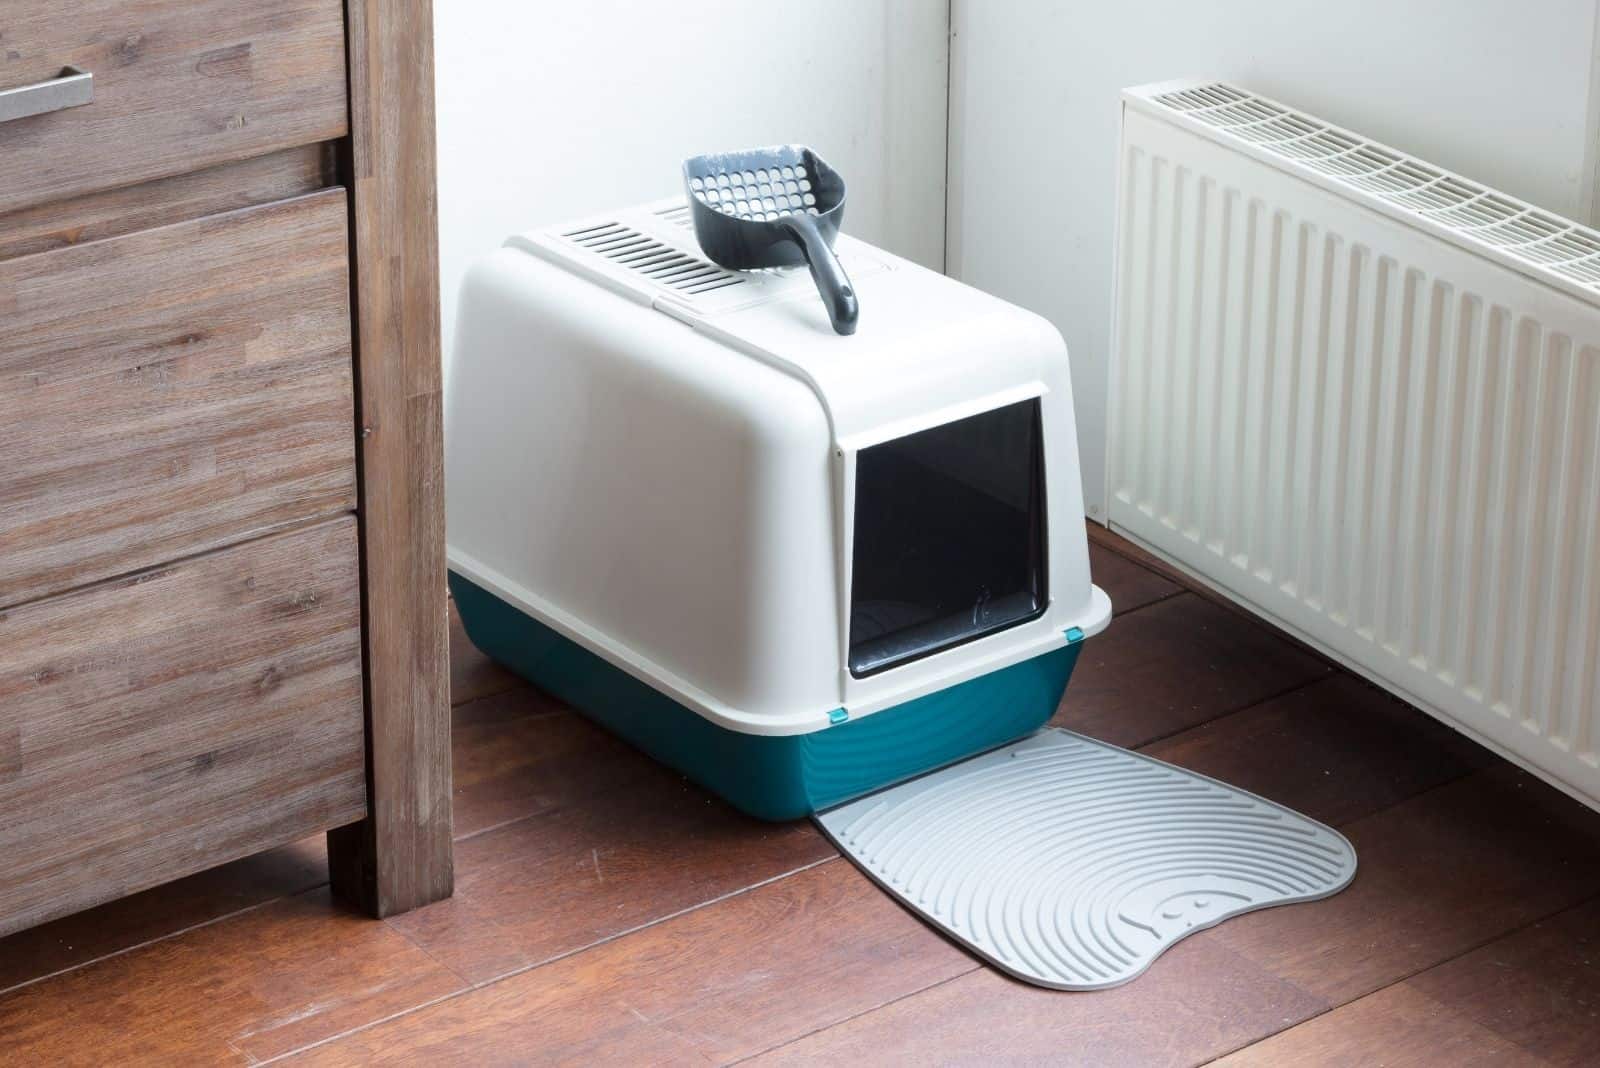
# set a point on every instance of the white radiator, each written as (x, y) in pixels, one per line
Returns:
(1361, 395)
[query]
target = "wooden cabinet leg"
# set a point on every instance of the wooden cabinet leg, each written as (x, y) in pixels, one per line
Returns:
(400, 856)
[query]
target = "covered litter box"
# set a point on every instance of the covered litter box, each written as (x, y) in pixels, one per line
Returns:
(795, 565)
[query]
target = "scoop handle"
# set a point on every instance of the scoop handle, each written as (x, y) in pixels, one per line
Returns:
(838, 295)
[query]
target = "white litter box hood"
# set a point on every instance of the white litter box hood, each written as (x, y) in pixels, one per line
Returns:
(741, 408)
(909, 366)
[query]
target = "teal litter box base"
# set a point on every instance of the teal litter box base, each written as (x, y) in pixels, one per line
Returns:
(773, 778)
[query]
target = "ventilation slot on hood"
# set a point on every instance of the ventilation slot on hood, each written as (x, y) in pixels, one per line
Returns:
(1473, 213)
(663, 264)
(678, 216)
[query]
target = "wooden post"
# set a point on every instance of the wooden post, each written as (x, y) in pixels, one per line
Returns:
(400, 856)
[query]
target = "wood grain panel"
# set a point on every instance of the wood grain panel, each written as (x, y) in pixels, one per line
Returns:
(178, 718)
(178, 85)
(172, 391)
(401, 857)
(280, 175)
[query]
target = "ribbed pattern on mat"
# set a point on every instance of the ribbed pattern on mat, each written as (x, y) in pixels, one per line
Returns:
(1074, 864)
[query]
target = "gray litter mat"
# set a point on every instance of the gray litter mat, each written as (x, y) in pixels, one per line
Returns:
(1073, 864)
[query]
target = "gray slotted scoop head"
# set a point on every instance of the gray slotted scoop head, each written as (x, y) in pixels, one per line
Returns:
(1073, 864)
(773, 207)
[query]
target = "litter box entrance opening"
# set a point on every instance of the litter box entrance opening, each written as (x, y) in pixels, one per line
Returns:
(949, 537)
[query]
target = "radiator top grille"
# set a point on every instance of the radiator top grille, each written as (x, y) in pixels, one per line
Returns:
(1473, 213)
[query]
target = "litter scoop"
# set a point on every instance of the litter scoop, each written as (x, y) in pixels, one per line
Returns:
(773, 207)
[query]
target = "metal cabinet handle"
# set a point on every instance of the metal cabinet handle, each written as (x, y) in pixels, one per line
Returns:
(69, 89)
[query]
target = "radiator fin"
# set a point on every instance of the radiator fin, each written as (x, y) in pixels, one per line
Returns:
(1385, 441)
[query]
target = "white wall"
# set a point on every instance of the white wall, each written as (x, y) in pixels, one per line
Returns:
(548, 110)
(1499, 91)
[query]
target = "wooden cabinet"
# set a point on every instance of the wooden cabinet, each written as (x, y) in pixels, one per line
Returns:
(179, 85)
(209, 708)
(174, 390)
(222, 617)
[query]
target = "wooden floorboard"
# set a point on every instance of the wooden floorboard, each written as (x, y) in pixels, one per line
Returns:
(707, 987)
(1538, 987)
(608, 910)
(1198, 999)
(1396, 1027)
(1129, 585)
(158, 913)
(253, 986)
(520, 753)
(473, 675)
(1439, 875)
(1529, 997)
(620, 841)
(1174, 664)
(1336, 749)
(1102, 537)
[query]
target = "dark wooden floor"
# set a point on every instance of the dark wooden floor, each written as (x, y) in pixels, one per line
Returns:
(606, 910)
